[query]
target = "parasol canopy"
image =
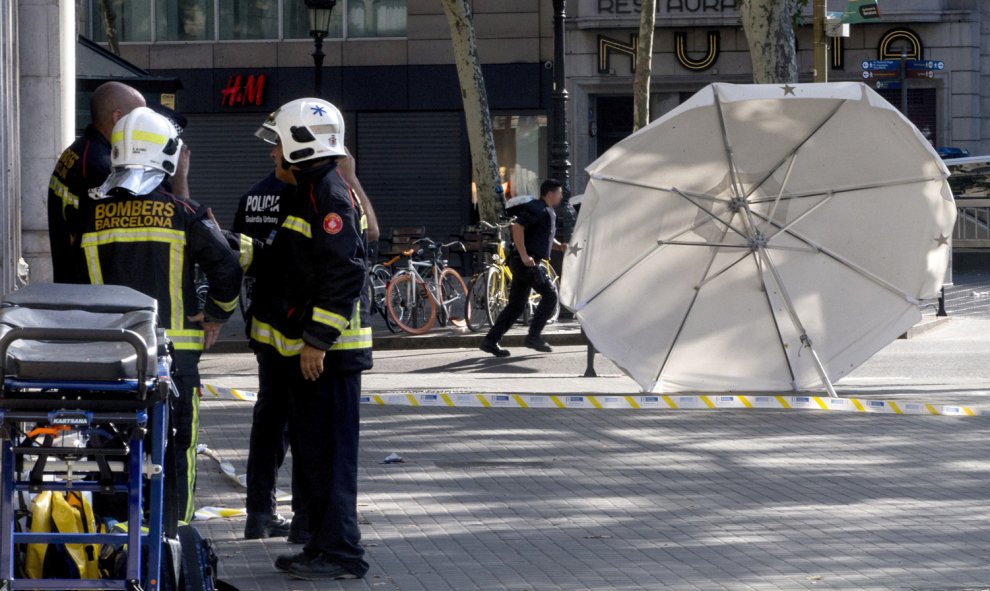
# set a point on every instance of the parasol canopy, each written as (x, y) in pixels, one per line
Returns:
(759, 238)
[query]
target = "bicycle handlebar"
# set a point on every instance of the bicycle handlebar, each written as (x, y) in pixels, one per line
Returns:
(492, 226)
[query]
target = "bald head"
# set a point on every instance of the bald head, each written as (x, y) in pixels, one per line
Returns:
(110, 102)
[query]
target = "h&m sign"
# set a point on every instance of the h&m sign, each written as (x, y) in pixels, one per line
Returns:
(669, 7)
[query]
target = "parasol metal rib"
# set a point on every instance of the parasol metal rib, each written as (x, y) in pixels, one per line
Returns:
(847, 263)
(820, 193)
(794, 152)
(718, 274)
(728, 225)
(776, 202)
(687, 313)
(709, 244)
(792, 223)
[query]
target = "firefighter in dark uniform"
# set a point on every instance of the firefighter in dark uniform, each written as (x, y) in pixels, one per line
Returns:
(310, 318)
(78, 174)
(259, 214)
(139, 235)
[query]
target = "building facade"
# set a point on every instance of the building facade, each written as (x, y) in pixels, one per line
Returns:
(389, 67)
(698, 42)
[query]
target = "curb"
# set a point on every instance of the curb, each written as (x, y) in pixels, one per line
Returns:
(925, 327)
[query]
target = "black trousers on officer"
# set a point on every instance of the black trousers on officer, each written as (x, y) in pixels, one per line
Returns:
(269, 436)
(525, 279)
(324, 433)
(184, 421)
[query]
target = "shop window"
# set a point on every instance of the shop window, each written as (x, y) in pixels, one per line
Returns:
(521, 149)
(184, 20)
(295, 18)
(132, 20)
(249, 19)
(376, 18)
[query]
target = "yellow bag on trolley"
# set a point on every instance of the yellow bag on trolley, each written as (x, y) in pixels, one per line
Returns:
(62, 513)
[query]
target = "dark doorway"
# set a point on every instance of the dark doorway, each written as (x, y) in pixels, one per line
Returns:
(922, 109)
(615, 120)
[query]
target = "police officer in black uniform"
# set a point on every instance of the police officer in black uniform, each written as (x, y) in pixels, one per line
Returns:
(139, 235)
(259, 214)
(80, 171)
(533, 232)
(310, 319)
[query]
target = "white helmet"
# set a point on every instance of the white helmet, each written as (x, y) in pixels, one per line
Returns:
(308, 128)
(144, 148)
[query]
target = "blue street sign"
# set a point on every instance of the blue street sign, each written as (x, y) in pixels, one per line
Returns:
(888, 84)
(925, 65)
(886, 65)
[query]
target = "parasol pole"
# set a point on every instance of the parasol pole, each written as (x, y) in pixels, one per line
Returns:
(789, 305)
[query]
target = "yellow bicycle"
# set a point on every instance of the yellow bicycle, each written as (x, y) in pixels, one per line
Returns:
(489, 292)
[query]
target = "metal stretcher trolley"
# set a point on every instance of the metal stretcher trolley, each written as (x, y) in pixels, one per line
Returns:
(90, 362)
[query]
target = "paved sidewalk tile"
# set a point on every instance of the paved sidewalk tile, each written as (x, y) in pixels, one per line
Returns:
(551, 500)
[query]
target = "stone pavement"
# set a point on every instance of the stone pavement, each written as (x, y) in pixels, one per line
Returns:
(536, 499)
(547, 500)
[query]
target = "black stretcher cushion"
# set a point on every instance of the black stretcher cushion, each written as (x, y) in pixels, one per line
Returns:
(53, 306)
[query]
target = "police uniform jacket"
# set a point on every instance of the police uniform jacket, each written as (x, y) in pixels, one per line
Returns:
(316, 294)
(152, 243)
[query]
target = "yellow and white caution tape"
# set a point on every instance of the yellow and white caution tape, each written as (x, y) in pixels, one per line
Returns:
(644, 402)
(227, 469)
(208, 513)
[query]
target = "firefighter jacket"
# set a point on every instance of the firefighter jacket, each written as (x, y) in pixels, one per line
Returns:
(152, 243)
(80, 171)
(316, 293)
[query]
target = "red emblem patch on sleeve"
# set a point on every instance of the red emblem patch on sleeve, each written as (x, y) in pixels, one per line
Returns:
(332, 224)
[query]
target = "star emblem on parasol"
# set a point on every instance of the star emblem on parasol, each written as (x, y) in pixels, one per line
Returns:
(942, 240)
(574, 250)
(788, 90)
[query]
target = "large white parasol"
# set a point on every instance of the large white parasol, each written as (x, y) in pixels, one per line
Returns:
(759, 238)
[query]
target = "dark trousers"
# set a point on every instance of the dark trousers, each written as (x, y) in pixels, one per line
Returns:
(525, 279)
(269, 431)
(184, 421)
(324, 435)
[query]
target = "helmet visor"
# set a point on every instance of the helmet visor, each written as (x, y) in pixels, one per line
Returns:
(268, 134)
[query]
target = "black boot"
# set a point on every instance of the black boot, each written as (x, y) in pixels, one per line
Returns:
(265, 525)
(494, 348)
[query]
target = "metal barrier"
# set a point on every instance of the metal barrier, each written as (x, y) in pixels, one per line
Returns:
(972, 230)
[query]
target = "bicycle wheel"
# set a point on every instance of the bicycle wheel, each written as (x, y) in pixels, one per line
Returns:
(410, 305)
(555, 280)
(378, 279)
(477, 308)
(454, 297)
(498, 293)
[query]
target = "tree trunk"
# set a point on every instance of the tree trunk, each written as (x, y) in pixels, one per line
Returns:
(110, 24)
(769, 27)
(644, 65)
(476, 113)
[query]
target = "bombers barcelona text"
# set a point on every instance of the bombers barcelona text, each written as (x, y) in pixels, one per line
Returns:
(134, 214)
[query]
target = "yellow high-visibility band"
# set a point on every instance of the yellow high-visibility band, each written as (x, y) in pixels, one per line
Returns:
(226, 306)
(266, 334)
(330, 319)
(247, 252)
(298, 225)
(142, 136)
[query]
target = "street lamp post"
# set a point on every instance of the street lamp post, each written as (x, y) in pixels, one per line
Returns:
(319, 27)
(560, 150)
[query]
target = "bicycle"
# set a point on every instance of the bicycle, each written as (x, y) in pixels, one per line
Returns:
(379, 276)
(417, 301)
(490, 289)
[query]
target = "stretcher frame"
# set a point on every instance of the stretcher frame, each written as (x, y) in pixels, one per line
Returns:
(144, 410)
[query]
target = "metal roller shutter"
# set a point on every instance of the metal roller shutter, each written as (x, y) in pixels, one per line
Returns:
(415, 167)
(226, 160)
